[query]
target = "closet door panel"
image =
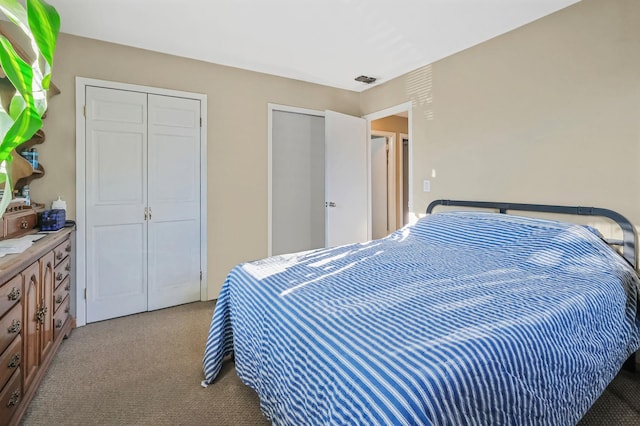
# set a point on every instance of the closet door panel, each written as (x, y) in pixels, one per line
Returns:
(174, 201)
(116, 198)
(119, 277)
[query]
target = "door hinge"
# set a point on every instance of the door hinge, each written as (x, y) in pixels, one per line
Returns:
(84, 110)
(200, 121)
(85, 293)
(200, 275)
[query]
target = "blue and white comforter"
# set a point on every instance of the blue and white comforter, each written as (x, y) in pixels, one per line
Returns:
(462, 319)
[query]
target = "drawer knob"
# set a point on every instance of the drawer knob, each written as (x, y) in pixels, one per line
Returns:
(67, 287)
(24, 224)
(66, 310)
(15, 361)
(68, 267)
(15, 294)
(40, 314)
(59, 323)
(59, 299)
(59, 276)
(15, 327)
(59, 255)
(13, 400)
(67, 248)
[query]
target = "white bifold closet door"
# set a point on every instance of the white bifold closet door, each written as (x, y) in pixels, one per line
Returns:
(142, 202)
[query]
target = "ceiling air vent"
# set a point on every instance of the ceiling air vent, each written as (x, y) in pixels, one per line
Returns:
(365, 79)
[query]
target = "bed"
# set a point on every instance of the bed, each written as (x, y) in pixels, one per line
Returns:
(466, 317)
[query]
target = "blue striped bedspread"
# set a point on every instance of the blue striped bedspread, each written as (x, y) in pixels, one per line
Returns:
(461, 319)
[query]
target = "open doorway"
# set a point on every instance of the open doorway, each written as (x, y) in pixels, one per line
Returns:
(317, 179)
(390, 169)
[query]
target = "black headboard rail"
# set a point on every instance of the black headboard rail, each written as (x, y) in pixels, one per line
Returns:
(628, 232)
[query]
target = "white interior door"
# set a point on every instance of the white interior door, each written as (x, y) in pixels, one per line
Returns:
(174, 201)
(379, 187)
(116, 196)
(346, 179)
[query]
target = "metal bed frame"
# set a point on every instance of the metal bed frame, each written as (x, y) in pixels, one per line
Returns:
(628, 242)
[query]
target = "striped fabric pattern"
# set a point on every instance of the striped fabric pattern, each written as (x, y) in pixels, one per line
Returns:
(463, 318)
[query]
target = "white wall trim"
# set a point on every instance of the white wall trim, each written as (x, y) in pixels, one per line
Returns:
(405, 107)
(81, 249)
(284, 108)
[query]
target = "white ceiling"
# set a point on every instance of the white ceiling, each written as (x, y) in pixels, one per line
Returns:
(329, 42)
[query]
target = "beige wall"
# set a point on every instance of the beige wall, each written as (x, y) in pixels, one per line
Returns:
(548, 113)
(237, 135)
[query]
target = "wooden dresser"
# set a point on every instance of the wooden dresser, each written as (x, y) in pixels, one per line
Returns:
(34, 317)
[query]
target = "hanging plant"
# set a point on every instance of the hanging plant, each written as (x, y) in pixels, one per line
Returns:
(21, 109)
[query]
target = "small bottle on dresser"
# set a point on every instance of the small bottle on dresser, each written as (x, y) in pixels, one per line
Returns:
(25, 194)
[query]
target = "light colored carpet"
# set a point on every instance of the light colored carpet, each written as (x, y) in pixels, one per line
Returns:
(146, 369)
(142, 369)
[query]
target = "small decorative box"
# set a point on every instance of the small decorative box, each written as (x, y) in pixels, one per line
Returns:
(52, 220)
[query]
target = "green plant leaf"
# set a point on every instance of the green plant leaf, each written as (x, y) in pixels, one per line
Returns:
(16, 106)
(44, 23)
(46, 81)
(18, 71)
(5, 122)
(20, 118)
(23, 129)
(16, 13)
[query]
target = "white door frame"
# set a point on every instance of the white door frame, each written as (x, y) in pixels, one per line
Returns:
(284, 108)
(81, 249)
(405, 107)
(404, 136)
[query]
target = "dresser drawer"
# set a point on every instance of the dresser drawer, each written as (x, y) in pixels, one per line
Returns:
(10, 361)
(62, 271)
(60, 294)
(61, 251)
(10, 326)
(10, 294)
(10, 396)
(17, 223)
(60, 318)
